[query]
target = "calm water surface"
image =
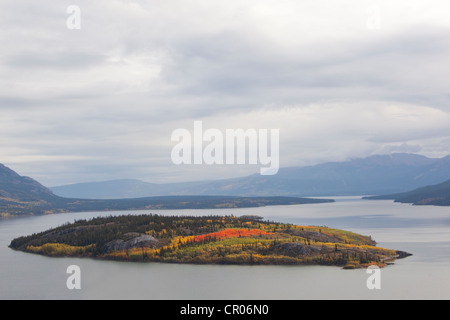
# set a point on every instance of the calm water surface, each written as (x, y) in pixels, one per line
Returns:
(423, 231)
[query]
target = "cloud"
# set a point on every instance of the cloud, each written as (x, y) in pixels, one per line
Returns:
(101, 102)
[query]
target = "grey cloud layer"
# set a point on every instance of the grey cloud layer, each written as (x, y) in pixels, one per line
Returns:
(109, 95)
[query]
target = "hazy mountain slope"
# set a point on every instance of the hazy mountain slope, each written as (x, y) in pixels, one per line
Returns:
(14, 186)
(107, 190)
(21, 196)
(383, 174)
(131, 188)
(438, 195)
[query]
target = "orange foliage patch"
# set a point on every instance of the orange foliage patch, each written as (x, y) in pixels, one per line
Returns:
(230, 233)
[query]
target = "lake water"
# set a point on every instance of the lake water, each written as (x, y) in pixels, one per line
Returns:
(421, 230)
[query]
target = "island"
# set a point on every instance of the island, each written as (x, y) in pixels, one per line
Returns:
(207, 240)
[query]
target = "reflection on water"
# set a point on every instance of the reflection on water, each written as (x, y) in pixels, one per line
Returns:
(423, 231)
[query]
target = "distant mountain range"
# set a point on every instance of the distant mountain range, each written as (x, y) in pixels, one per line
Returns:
(392, 175)
(20, 196)
(375, 175)
(437, 195)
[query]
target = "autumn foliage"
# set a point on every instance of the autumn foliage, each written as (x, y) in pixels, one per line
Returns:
(230, 233)
(205, 240)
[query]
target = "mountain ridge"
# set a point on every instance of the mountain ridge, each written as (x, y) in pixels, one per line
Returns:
(23, 196)
(13, 185)
(378, 174)
(437, 195)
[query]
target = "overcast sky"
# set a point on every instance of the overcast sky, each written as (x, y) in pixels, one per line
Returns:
(340, 79)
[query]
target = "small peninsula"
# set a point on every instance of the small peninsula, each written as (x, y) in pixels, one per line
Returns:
(434, 195)
(207, 240)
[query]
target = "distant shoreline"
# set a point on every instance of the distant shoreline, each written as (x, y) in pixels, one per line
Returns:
(56, 205)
